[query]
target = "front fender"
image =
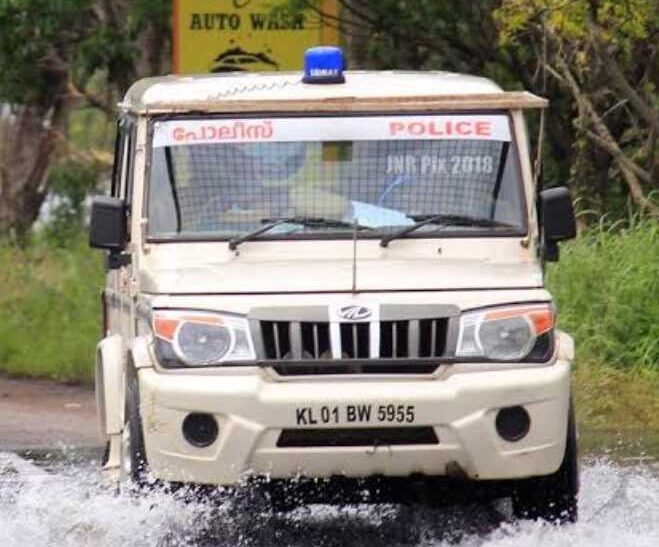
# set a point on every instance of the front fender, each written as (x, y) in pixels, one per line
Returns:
(565, 346)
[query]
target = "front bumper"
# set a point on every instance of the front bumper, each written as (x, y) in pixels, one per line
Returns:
(252, 410)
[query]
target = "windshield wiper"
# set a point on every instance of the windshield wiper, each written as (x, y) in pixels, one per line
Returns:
(313, 222)
(319, 222)
(442, 221)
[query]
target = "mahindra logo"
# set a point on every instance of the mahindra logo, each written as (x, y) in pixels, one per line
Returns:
(354, 312)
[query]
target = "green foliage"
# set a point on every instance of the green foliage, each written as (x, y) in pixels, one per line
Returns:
(604, 55)
(50, 309)
(606, 288)
(425, 35)
(91, 133)
(613, 398)
(70, 184)
(623, 21)
(43, 40)
(31, 32)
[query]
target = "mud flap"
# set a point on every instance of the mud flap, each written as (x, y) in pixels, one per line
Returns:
(112, 460)
(110, 387)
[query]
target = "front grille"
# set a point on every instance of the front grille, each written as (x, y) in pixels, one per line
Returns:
(374, 436)
(282, 338)
(399, 339)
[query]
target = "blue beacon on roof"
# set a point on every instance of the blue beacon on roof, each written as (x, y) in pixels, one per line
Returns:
(324, 65)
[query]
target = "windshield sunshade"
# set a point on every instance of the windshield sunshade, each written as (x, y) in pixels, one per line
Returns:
(222, 178)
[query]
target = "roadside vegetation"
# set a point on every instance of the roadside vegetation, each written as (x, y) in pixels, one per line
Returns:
(606, 286)
(50, 309)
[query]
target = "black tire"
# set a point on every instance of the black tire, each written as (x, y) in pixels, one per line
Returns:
(105, 457)
(553, 497)
(139, 466)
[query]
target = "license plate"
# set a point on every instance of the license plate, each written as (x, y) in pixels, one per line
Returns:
(355, 414)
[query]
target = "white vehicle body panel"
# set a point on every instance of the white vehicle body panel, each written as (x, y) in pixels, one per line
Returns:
(322, 266)
(252, 410)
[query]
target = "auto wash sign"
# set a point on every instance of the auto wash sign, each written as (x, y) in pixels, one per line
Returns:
(248, 35)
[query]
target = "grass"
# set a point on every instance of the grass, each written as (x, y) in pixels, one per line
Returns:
(50, 310)
(606, 287)
(614, 399)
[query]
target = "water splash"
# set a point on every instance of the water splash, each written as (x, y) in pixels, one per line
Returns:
(67, 504)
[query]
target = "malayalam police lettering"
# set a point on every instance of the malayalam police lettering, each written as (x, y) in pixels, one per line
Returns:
(243, 131)
(337, 129)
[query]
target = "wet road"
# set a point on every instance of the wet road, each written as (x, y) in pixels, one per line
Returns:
(41, 413)
(59, 499)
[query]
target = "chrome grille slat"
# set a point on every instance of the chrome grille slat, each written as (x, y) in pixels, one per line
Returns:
(433, 337)
(295, 335)
(413, 338)
(275, 333)
(316, 342)
(394, 339)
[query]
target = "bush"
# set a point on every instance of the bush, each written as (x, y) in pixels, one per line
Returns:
(70, 184)
(606, 287)
(50, 309)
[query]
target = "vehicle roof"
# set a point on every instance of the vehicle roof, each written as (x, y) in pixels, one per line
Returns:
(286, 91)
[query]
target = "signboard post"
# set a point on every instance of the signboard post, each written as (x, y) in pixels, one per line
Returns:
(247, 35)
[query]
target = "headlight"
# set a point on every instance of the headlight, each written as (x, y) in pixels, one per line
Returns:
(507, 334)
(200, 338)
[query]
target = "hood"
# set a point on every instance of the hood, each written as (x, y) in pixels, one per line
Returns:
(177, 269)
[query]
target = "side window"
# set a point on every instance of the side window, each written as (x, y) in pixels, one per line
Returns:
(117, 165)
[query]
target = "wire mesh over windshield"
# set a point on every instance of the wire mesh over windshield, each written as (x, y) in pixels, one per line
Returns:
(230, 188)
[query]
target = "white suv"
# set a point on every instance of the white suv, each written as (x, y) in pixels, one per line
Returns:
(335, 275)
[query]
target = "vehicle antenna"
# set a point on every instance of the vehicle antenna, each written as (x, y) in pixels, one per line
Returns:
(355, 229)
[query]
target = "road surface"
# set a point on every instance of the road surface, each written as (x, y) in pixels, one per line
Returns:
(43, 414)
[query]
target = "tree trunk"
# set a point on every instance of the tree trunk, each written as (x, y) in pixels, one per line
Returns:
(357, 36)
(29, 137)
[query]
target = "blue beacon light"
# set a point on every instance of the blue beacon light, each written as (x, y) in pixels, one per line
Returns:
(324, 65)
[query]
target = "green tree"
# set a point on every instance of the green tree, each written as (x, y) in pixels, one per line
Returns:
(56, 55)
(605, 54)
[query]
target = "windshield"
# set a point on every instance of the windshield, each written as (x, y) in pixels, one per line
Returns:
(222, 178)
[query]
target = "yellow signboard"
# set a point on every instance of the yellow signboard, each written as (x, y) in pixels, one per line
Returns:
(248, 35)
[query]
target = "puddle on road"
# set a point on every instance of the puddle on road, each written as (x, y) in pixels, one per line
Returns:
(58, 499)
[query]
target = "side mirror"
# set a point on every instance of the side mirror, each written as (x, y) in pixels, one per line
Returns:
(107, 227)
(557, 218)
